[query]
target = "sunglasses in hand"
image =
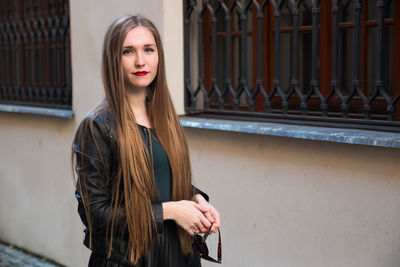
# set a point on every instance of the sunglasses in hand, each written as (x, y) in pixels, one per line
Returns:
(199, 245)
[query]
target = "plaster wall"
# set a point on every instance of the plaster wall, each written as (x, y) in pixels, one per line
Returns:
(291, 202)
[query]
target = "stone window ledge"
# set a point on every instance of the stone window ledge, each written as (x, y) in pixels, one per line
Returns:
(61, 113)
(339, 135)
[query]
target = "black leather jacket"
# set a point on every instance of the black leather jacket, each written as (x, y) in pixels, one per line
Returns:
(99, 164)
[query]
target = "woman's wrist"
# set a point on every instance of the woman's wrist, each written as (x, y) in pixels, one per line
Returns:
(168, 210)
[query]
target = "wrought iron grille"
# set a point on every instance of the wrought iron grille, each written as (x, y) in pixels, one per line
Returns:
(35, 60)
(327, 62)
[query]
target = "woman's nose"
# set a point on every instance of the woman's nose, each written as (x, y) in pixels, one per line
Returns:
(139, 62)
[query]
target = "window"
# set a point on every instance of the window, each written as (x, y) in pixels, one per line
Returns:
(324, 62)
(35, 60)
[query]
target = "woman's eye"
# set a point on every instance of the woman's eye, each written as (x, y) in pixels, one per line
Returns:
(149, 49)
(127, 52)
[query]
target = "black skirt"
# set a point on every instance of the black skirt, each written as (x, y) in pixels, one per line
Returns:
(165, 252)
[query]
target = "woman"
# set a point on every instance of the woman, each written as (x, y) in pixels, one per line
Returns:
(132, 162)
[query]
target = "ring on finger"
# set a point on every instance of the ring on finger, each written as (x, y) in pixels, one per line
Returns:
(194, 230)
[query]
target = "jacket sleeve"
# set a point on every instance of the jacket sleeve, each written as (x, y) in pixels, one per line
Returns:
(93, 161)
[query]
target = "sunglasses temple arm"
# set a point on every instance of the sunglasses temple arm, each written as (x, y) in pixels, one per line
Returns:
(219, 246)
(206, 234)
(210, 259)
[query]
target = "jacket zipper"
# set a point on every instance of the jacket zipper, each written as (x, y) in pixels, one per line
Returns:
(150, 145)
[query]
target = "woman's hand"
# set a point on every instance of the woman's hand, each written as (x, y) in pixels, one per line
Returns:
(210, 213)
(188, 215)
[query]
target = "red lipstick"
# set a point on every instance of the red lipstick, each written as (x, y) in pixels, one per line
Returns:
(140, 73)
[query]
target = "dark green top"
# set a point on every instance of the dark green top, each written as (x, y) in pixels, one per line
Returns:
(162, 168)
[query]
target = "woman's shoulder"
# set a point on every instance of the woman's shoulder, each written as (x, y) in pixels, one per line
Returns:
(101, 117)
(99, 122)
(94, 135)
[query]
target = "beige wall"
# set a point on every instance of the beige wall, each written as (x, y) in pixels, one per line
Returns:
(292, 202)
(284, 202)
(35, 185)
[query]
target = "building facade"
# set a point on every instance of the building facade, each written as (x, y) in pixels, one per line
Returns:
(291, 192)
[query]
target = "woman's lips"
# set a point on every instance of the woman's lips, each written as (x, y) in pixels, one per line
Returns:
(141, 73)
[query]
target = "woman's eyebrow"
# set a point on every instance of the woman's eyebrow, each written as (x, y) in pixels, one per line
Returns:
(146, 45)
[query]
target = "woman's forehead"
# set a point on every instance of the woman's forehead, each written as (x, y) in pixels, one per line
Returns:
(139, 36)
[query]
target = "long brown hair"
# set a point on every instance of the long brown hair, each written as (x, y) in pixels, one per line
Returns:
(136, 173)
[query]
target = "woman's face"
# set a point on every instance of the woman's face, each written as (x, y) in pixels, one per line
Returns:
(139, 58)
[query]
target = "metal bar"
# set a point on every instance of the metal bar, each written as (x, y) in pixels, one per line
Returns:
(236, 93)
(27, 47)
(62, 32)
(244, 82)
(345, 102)
(200, 54)
(335, 58)
(335, 42)
(213, 43)
(12, 52)
(276, 81)
(357, 51)
(357, 42)
(243, 57)
(187, 62)
(295, 43)
(41, 47)
(380, 5)
(7, 56)
(68, 92)
(214, 81)
(54, 55)
(277, 45)
(228, 44)
(2, 59)
(260, 80)
(260, 18)
(35, 56)
(228, 67)
(200, 47)
(36, 47)
(16, 52)
(47, 52)
(315, 43)
(243, 45)
(294, 83)
(314, 83)
(21, 36)
(32, 67)
(260, 83)
(64, 98)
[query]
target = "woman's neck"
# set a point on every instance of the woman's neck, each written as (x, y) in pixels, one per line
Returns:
(138, 104)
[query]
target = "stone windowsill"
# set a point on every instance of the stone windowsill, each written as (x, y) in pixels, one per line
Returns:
(61, 113)
(339, 135)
